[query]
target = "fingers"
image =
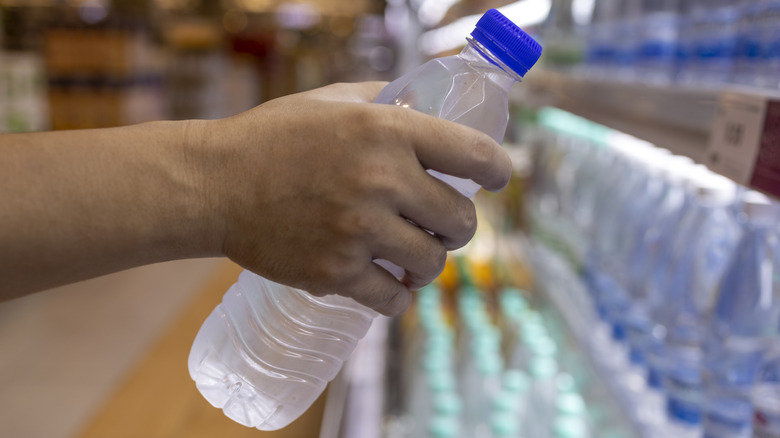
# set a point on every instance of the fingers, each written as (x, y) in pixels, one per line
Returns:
(419, 253)
(437, 207)
(378, 289)
(457, 150)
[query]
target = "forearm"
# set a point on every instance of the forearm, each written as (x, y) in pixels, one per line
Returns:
(79, 204)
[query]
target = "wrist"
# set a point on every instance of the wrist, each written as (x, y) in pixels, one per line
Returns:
(198, 172)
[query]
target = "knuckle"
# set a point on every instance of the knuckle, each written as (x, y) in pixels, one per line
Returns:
(396, 303)
(467, 224)
(336, 268)
(439, 259)
(434, 261)
(358, 224)
(376, 179)
(328, 271)
(483, 153)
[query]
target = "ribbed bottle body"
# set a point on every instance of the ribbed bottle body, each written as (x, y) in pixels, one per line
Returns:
(267, 351)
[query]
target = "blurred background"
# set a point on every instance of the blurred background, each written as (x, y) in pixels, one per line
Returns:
(630, 120)
(68, 64)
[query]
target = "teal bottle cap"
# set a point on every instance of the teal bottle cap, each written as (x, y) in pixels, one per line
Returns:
(515, 381)
(448, 403)
(441, 340)
(568, 427)
(490, 364)
(542, 346)
(504, 425)
(441, 381)
(570, 404)
(437, 361)
(565, 383)
(444, 426)
(533, 317)
(505, 401)
(543, 367)
(531, 331)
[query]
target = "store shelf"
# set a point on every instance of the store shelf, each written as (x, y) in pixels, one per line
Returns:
(561, 289)
(674, 117)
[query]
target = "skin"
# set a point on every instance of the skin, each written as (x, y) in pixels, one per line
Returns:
(306, 190)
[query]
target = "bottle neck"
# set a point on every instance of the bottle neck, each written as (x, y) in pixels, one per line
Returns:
(476, 52)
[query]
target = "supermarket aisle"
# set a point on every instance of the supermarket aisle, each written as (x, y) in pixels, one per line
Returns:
(64, 351)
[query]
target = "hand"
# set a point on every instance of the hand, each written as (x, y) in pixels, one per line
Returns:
(311, 188)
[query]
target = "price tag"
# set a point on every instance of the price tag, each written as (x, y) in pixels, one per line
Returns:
(735, 138)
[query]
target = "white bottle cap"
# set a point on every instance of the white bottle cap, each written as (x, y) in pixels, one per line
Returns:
(676, 166)
(758, 207)
(715, 189)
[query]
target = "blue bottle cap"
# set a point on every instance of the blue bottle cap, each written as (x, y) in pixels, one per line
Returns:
(507, 42)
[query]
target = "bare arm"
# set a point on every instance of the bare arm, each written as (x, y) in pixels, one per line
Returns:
(306, 190)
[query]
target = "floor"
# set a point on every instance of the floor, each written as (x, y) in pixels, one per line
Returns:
(64, 352)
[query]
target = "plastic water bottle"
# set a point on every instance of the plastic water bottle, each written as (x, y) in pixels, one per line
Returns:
(716, 40)
(702, 260)
(657, 50)
(267, 351)
(744, 322)
(766, 397)
(749, 36)
(769, 51)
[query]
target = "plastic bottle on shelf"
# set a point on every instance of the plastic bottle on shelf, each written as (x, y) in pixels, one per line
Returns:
(505, 425)
(746, 318)
(766, 396)
(651, 253)
(602, 48)
(628, 39)
(540, 415)
(658, 47)
(750, 28)
(716, 41)
(769, 52)
(266, 353)
(481, 386)
(702, 259)
(444, 426)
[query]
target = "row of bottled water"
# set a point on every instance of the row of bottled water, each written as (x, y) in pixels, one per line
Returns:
(682, 271)
(494, 368)
(689, 41)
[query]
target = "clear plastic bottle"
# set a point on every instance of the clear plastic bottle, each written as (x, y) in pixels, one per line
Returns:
(766, 397)
(659, 31)
(702, 259)
(743, 323)
(267, 351)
